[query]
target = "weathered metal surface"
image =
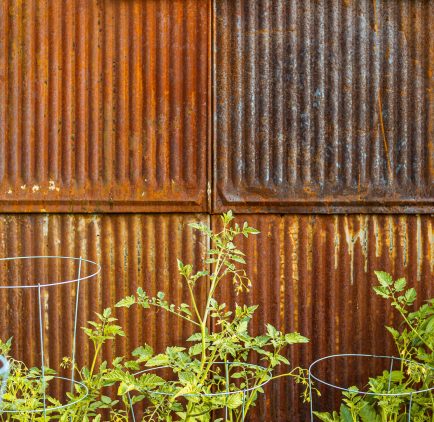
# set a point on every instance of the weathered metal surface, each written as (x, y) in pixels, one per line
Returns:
(103, 105)
(323, 106)
(314, 274)
(133, 250)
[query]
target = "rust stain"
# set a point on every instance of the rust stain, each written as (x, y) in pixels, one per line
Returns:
(361, 235)
(419, 259)
(404, 239)
(383, 135)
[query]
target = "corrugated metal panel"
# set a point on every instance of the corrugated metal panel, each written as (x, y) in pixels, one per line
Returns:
(103, 105)
(314, 274)
(324, 106)
(133, 250)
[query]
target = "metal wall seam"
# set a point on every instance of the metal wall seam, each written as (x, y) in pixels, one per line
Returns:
(104, 106)
(323, 107)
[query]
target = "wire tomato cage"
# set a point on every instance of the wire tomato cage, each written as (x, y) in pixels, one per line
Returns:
(390, 366)
(244, 392)
(36, 287)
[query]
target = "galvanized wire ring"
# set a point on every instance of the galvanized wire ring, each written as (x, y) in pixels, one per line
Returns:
(51, 409)
(409, 394)
(39, 286)
(223, 393)
(57, 283)
(243, 391)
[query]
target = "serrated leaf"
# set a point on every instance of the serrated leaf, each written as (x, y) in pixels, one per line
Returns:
(345, 414)
(410, 295)
(392, 331)
(385, 279)
(143, 353)
(234, 400)
(195, 337)
(380, 291)
(400, 284)
(293, 338)
(239, 259)
(196, 349)
(126, 302)
(124, 388)
(158, 360)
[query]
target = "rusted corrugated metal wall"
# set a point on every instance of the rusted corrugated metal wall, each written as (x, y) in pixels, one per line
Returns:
(324, 106)
(103, 105)
(107, 107)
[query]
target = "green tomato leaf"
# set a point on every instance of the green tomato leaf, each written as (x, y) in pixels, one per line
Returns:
(400, 284)
(384, 278)
(158, 360)
(126, 302)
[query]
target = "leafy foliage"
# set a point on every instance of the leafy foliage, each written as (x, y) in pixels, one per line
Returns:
(414, 340)
(213, 372)
(25, 390)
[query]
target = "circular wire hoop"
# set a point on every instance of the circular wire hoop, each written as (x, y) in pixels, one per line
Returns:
(53, 408)
(244, 391)
(392, 360)
(38, 285)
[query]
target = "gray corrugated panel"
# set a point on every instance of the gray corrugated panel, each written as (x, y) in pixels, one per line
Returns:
(323, 106)
(314, 274)
(103, 105)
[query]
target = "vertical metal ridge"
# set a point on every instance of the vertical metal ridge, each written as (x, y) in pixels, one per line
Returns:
(162, 65)
(150, 98)
(28, 93)
(319, 95)
(4, 72)
(237, 90)
(264, 81)
(347, 118)
(251, 45)
(175, 89)
(95, 72)
(361, 94)
(305, 82)
(339, 122)
(54, 87)
(279, 15)
(109, 118)
(292, 101)
(82, 94)
(120, 74)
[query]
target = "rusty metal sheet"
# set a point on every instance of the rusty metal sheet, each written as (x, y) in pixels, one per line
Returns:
(314, 274)
(133, 250)
(323, 106)
(103, 105)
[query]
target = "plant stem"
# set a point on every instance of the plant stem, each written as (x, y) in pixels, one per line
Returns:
(398, 307)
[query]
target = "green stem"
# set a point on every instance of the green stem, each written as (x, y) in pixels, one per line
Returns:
(175, 313)
(95, 357)
(399, 308)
